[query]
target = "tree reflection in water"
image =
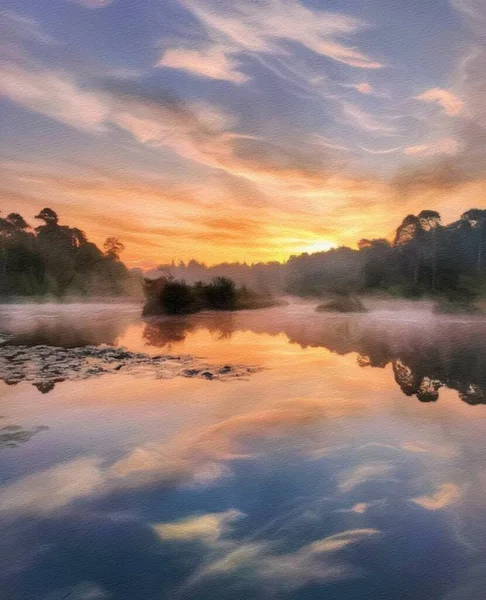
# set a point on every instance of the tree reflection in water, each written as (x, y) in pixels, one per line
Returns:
(165, 332)
(425, 354)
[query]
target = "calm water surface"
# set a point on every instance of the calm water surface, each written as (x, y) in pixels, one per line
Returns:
(351, 467)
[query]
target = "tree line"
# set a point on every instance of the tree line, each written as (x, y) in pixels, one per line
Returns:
(53, 260)
(424, 259)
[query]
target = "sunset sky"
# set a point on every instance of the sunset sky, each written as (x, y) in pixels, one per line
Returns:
(241, 129)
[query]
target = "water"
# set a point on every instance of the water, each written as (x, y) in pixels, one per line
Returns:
(350, 464)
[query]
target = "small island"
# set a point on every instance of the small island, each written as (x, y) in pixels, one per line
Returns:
(169, 296)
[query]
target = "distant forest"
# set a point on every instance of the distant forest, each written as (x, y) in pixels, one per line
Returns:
(54, 260)
(425, 259)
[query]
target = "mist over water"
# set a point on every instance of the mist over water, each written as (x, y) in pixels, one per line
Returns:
(349, 466)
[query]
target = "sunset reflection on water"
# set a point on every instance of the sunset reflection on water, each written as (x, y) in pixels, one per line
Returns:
(316, 475)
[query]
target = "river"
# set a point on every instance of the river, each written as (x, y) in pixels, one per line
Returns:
(279, 453)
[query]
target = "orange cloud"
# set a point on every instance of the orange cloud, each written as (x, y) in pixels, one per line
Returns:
(215, 220)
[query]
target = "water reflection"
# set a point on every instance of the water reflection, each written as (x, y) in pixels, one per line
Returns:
(314, 478)
(11, 436)
(346, 527)
(65, 326)
(168, 332)
(426, 354)
(50, 344)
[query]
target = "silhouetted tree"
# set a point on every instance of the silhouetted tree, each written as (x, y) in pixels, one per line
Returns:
(476, 219)
(57, 260)
(48, 216)
(113, 247)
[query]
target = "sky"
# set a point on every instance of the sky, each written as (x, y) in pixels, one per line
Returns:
(248, 130)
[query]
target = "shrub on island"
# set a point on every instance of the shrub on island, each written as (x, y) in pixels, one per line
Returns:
(169, 296)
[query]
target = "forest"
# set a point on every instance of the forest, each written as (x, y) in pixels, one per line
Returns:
(57, 261)
(425, 259)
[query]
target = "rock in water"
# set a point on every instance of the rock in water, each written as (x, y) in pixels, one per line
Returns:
(344, 304)
(45, 366)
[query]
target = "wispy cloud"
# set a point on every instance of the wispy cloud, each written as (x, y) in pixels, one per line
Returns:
(366, 89)
(318, 561)
(14, 25)
(184, 457)
(357, 117)
(208, 527)
(382, 151)
(265, 27)
(364, 473)
(444, 496)
(473, 9)
(213, 62)
(450, 103)
(54, 95)
(363, 88)
(48, 491)
(93, 4)
(197, 131)
(447, 146)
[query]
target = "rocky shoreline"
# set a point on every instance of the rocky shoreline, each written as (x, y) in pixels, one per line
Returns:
(44, 366)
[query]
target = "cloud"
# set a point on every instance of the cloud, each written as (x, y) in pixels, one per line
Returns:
(366, 89)
(198, 132)
(320, 140)
(437, 176)
(93, 4)
(14, 26)
(444, 496)
(473, 9)
(260, 27)
(240, 556)
(208, 528)
(381, 152)
(339, 541)
(266, 27)
(450, 103)
(212, 62)
(447, 146)
(54, 95)
(425, 447)
(359, 508)
(470, 82)
(318, 561)
(184, 457)
(363, 88)
(359, 118)
(47, 491)
(361, 474)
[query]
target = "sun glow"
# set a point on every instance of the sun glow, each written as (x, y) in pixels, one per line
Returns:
(318, 246)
